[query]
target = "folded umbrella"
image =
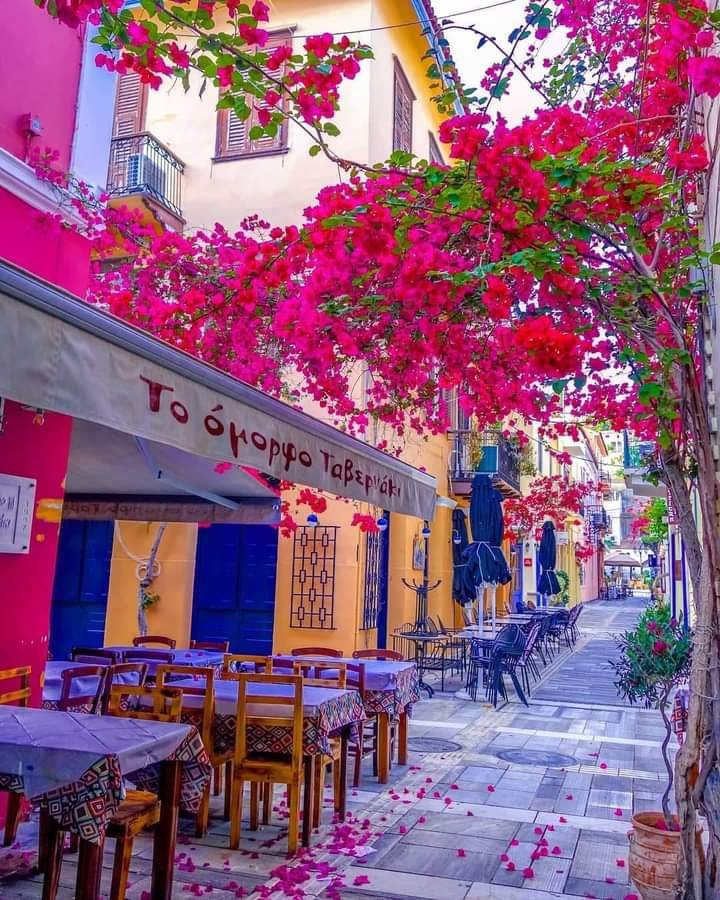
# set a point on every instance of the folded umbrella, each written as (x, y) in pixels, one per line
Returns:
(547, 583)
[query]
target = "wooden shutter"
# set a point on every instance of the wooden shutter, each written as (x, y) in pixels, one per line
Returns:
(403, 99)
(435, 154)
(130, 103)
(234, 134)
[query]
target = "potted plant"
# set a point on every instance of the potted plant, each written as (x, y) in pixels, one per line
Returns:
(654, 658)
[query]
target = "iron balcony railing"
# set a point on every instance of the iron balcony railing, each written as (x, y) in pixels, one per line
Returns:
(483, 451)
(140, 164)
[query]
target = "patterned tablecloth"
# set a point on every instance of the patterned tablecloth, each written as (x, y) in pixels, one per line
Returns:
(325, 712)
(73, 765)
(390, 686)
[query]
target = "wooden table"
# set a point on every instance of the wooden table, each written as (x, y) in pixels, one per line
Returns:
(326, 712)
(391, 688)
(72, 765)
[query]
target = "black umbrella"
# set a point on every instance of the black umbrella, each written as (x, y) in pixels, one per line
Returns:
(460, 590)
(485, 562)
(547, 583)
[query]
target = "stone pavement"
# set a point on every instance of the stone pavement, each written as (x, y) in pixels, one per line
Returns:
(516, 802)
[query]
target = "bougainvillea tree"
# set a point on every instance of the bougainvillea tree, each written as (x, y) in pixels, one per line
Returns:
(554, 267)
(548, 497)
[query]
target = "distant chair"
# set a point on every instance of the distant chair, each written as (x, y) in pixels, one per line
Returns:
(144, 639)
(122, 673)
(18, 695)
(212, 646)
(379, 653)
(316, 651)
(82, 688)
(236, 663)
(142, 655)
(96, 656)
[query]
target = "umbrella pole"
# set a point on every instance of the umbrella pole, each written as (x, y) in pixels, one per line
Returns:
(494, 611)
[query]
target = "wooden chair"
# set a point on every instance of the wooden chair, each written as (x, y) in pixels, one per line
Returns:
(331, 675)
(73, 699)
(213, 646)
(149, 656)
(140, 809)
(18, 695)
(202, 716)
(161, 704)
(379, 653)
(143, 639)
(95, 656)
(267, 710)
(120, 672)
(316, 651)
(235, 663)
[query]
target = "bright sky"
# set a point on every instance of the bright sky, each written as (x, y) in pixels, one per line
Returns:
(497, 20)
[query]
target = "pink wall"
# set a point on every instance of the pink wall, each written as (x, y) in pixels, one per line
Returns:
(40, 452)
(39, 73)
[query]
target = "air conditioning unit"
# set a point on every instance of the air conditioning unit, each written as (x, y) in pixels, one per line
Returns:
(144, 173)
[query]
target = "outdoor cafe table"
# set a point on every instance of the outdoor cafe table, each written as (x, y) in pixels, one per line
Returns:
(326, 712)
(72, 765)
(391, 688)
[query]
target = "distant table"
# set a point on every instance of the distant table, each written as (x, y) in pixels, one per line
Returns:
(326, 712)
(391, 688)
(72, 765)
(421, 640)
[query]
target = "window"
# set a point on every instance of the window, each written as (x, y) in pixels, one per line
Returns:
(434, 151)
(233, 134)
(403, 99)
(130, 105)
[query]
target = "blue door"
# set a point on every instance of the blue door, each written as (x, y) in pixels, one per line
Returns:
(80, 592)
(234, 593)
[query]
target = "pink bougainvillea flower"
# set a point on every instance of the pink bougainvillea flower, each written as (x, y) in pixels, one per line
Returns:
(618, 811)
(603, 765)
(461, 852)
(360, 880)
(454, 787)
(568, 796)
(422, 820)
(504, 857)
(491, 788)
(631, 897)
(538, 830)
(528, 872)
(403, 829)
(514, 842)
(556, 851)
(620, 863)
(562, 820)
(469, 813)
(510, 867)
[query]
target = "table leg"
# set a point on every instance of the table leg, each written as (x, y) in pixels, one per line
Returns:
(403, 738)
(308, 791)
(419, 662)
(344, 734)
(53, 838)
(166, 831)
(383, 747)
(90, 857)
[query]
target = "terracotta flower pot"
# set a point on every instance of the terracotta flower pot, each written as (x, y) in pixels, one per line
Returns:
(654, 859)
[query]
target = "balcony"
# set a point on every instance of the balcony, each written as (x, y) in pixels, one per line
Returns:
(639, 457)
(483, 451)
(140, 166)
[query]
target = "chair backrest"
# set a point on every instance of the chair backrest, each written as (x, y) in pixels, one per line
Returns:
(97, 656)
(142, 655)
(355, 679)
(235, 663)
(531, 639)
(431, 626)
(268, 709)
(19, 694)
(316, 651)
(379, 653)
(122, 673)
(575, 614)
(77, 697)
(213, 646)
(332, 675)
(510, 640)
(204, 676)
(143, 702)
(143, 640)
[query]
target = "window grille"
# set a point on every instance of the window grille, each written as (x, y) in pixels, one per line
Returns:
(403, 99)
(376, 551)
(312, 602)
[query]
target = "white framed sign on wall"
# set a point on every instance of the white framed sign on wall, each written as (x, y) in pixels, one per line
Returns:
(17, 500)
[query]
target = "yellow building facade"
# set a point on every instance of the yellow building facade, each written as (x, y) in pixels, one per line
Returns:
(224, 180)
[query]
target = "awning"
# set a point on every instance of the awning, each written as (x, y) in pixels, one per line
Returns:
(60, 354)
(621, 559)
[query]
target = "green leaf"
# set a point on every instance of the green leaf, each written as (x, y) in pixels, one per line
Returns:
(315, 150)
(559, 385)
(648, 392)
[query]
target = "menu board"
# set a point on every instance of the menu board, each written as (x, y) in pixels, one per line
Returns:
(17, 499)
